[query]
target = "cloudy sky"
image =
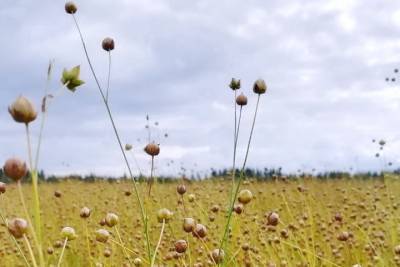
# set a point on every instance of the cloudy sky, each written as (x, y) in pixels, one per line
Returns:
(325, 63)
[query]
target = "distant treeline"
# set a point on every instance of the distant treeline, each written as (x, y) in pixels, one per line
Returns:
(265, 174)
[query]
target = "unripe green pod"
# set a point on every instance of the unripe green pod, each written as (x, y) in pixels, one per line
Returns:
(235, 84)
(164, 215)
(68, 233)
(259, 87)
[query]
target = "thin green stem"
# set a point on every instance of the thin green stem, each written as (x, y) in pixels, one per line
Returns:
(236, 191)
(151, 181)
(153, 260)
(30, 251)
(123, 245)
(62, 252)
(36, 209)
(142, 211)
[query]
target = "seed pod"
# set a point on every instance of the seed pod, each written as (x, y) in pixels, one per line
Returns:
(22, 110)
(343, 236)
(218, 255)
(70, 8)
(111, 219)
(152, 149)
(50, 250)
(102, 235)
(235, 84)
(68, 233)
(397, 250)
(17, 227)
(273, 219)
(164, 215)
(2, 188)
(191, 197)
(128, 147)
(199, 231)
(57, 193)
(15, 169)
(108, 44)
(215, 208)
(107, 253)
(181, 189)
(102, 222)
(259, 87)
(188, 225)
(245, 196)
(241, 100)
(137, 262)
(181, 246)
(238, 208)
(85, 212)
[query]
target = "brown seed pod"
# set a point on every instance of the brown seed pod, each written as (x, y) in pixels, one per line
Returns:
(181, 246)
(50, 250)
(259, 87)
(241, 100)
(70, 8)
(107, 253)
(152, 149)
(343, 236)
(273, 218)
(2, 188)
(199, 231)
(22, 110)
(17, 227)
(218, 255)
(181, 189)
(108, 44)
(238, 208)
(15, 169)
(85, 212)
(397, 250)
(188, 225)
(57, 193)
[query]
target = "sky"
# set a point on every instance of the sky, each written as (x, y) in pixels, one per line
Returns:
(324, 62)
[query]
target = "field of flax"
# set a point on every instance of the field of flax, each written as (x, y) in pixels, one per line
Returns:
(236, 221)
(319, 223)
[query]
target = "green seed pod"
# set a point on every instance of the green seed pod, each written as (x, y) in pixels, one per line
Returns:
(152, 149)
(108, 44)
(22, 110)
(245, 196)
(111, 219)
(235, 84)
(191, 197)
(241, 100)
(17, 227)
(70, 8)
(70, 78)
(68, 233)
(85, 212)
(102, 235)
(15, 169)
(259, 87)
(218, 255)
(188, 225)
(128, 147)
(181, 246)
(164, 215)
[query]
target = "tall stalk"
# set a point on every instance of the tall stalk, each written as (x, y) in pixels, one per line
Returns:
(236, 190)
(142, 211)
